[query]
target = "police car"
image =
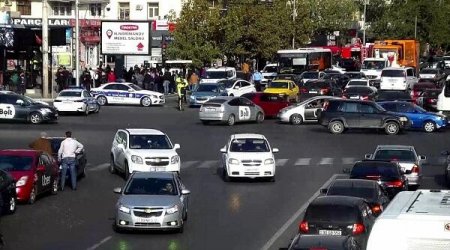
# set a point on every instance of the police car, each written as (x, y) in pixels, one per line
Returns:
(126, 93)
(76, 100)
(18, 107)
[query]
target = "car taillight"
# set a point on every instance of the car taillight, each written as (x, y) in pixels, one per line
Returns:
(324, 91)
(365, 98)
(303, 90)
(431, 100)
(358, 229)
(304, 227)
(377, 209)
(396, 183)
(415, 169)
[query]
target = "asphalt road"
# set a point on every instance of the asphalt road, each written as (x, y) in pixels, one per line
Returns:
(237, 215)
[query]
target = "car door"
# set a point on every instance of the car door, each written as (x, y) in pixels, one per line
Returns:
(350, 112)
(121, 151)
(124, 95)
(369, 116)
(88, 99)
(246, 87)
(245, 109)
(311, 109)
(183, 198)
(110, 91)
(44, 177)
(409, 110)
(14, 107)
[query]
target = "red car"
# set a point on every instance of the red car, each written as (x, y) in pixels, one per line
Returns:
(420, 87)
(270, 103)
(35, 172)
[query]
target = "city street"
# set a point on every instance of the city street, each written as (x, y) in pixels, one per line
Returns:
(237, 215)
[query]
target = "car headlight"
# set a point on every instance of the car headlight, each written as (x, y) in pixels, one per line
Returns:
(192, 97)
(45, 110)
(233, 161)
(154, 96)
(124, 209)
(174, 159)
(269, 161)
(172, 210)
(403, 118)
(22, 181)
(137, 159)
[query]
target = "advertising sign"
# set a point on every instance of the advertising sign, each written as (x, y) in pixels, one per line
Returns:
(125, 38)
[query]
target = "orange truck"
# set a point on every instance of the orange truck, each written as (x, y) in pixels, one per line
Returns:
(398, 52)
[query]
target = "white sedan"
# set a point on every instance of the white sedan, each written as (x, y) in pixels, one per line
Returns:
(126, 93)
(76, 100)
(248, 155)
(238, 87)
(306, 111)
(360, 82)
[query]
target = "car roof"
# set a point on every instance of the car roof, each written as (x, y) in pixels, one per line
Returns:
(221, 69)
(153, 174)
(7, 92)
(143, 131)
(396, 147)
(354, 183)
(397, 68)
(72, 90)
(340, 200)
(282, 80)
(248, 135)
(20, 152)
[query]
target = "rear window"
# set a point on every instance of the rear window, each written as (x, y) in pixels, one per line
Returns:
(359, 90)
(331, 213)
(70, 93)
(317, 85)
(393, 73)
(357, 83)
(388, 170)
(360, 192)
(270, 69)
(310, 75)
(216, 101)
(395, 155)
(428, 71)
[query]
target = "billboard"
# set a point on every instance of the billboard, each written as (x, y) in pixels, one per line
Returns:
(125, 38)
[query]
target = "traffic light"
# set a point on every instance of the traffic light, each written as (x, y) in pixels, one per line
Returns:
(163, 50)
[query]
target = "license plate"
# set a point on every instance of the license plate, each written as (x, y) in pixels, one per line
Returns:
(210, 109)
(148, 220)
(330, 232)
(252, 169)
(157, 169)
(312, 92)
(354, 97)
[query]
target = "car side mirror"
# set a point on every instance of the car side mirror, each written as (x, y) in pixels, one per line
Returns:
(236, 87)
(346, 170)
(130, 90)
(121, 146)
(368, 156)
(223, 150)
(445, 153)
(422, 157)
(185, 192)
(275, 150)
(40, 168)
(176, 146)
(117, 190)
(323, 190)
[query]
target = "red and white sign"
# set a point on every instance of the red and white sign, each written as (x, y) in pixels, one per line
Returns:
(163, 25)
(125, 38)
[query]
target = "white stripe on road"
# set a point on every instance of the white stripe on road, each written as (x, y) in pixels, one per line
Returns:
(294, 217)
(326, 161)
(303, 162)
(99, 243)
(348, 160)
(208, 164)
(99, 167)
(188, 164)
(281, 162)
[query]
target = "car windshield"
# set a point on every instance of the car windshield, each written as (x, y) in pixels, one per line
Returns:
(359, 90)
(216, 74)
(428, 71)
(373, 65)
(28, 99)
(228, 83)
(357, 83)
(151, 186)
(207, 88)
(150, 142)
(310, 75)
(315, 84)
(383, 170)
(15, 163)
(331, 213)
(135, 87)
(249, 145)
(360, 192)
(270, 69)
(393, 73)
(278, 85)
(70, 93)
(395, 155)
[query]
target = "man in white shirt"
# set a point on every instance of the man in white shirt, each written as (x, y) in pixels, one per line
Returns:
(67, 156)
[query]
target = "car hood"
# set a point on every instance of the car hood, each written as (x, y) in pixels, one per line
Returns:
(16, 175)
(205, 93)
(149, 200)
(250, 155)
(153, 152)
(275, 91)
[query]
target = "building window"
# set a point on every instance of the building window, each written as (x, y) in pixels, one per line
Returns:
(153, 10)
(96, 9)
(24, 7)
(62, 9)
(124, 11)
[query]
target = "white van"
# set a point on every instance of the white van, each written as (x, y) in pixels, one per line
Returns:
(414, 220)
(398, 78)
(222, 73)
(268, 73)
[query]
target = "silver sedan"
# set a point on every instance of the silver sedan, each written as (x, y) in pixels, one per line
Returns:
(152, 201)
(229, 110)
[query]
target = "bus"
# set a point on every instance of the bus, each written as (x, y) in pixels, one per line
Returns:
(304, 59)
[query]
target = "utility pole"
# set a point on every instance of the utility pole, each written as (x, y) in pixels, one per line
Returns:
(77, 44)
(45, 66)
(415, 28)
(294, 16)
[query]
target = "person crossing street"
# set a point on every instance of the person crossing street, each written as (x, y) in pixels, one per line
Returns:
(182, 84)
(67, 156)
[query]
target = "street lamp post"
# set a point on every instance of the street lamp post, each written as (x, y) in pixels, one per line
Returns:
(45, 66)
(294, 16)
(77, 44)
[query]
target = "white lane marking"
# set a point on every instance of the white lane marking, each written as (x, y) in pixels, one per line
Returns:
(303, 162)
(281, 162)
(188, 164)
(99, 167)
(348, 160)
(99, 243)
(326, 161)
(294, 217)
(208, 164)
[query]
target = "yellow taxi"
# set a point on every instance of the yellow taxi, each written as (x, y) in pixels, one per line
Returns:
(286, 88)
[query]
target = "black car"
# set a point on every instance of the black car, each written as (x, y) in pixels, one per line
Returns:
(14, 107)
(341, 79)
(355, 75)
(8, 197)
(320, 87)
(367, 189)
(360, 93)
(80, 158)
(428, 99)
(339, 216)
(308, 242)
(340, 114)
(393, 95)
(388, 174)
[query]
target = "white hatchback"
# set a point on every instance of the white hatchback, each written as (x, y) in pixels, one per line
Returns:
(76, 100)
(248, 155)
(143, 150)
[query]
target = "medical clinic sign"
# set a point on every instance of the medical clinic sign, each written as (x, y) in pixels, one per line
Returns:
(125, 38)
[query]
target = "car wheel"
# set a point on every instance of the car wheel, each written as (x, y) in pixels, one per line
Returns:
(12, 205)
(33, 194)
(296, 119)
(35, 118)
(112, 166)
(392, 128)
(185, 215)
(102, 101)
(205, 122)
(259, 117)
(127, 171)
(116, 228)
(225, 175)
(336, 127)
(231, 120)
(146, 101)
(429, 127)
(54, 186)
(83, 173)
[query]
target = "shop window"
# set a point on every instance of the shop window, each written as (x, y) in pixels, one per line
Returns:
(153, 10)
(124, 11)
(96, 9)
(24, 7)
(61, 8)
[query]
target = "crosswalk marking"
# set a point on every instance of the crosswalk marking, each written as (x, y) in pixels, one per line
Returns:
(208, 164)
(303, 162)
(326, 161)
(188, 164)
(348, 160)
(281, 162)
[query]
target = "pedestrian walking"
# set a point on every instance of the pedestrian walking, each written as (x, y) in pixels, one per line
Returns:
(256, 79)
(111, 76)
(67, 156)
(42, 144)
(167, 78)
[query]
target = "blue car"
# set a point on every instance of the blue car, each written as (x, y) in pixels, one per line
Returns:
(420, 118)
(204, 92)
